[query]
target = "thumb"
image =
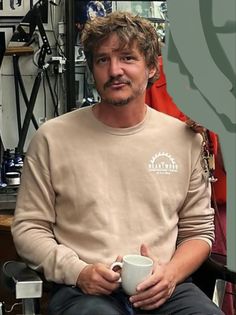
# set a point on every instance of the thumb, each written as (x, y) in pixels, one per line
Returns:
(144, 250)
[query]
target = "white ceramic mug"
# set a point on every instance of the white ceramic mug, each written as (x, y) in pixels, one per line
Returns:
(134, 270)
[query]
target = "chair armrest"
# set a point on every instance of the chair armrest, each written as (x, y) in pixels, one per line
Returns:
(24, 281)
(217, 263)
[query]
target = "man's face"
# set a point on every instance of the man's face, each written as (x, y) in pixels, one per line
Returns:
(121, 75)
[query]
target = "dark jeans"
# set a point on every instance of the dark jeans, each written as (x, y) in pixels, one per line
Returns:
(187, 299)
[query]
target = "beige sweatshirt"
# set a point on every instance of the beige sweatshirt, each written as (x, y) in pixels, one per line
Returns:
(90, 192)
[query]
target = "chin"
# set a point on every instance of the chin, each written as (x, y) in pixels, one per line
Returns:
(118, 102)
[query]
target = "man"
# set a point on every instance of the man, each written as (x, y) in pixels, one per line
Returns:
(113, 179)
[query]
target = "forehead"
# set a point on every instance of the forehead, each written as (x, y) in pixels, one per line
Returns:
(113, 44)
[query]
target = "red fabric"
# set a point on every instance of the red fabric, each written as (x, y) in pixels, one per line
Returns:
(220, 185)
(158, 97)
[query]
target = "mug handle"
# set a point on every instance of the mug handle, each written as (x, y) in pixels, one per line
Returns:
(117, 264)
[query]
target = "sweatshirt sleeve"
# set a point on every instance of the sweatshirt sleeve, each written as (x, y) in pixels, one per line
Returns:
(35, 216)
(196, 217)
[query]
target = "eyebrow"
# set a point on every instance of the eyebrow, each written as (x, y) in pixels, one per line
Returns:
(121, 50)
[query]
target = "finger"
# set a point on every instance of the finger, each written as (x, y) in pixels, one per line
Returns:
(154, 305)
(146, 295)
(150, 301)
(145, 251)
(97, 286)
(110, 287)
(106, 285)
(150, 282)
(149, 293)
(143, 300)
(147, 301)
(108, 274)
(119, 258)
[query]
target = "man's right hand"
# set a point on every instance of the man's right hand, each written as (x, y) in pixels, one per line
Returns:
(98, 279)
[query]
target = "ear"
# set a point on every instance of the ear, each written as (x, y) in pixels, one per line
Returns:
(152, 72)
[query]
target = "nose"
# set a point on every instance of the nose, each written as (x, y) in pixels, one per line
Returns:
(115, 68)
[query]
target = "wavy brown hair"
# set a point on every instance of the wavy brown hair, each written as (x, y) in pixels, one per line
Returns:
(129, 28)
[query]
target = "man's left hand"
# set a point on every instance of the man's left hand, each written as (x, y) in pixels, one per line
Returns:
(155, 290)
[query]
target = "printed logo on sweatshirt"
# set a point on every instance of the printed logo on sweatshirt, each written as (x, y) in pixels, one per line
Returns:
(163, 163)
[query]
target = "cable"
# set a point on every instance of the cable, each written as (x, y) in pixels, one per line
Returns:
(45, 97)
(55, 88)
(51, 92)
(12, 307)
(54, 34)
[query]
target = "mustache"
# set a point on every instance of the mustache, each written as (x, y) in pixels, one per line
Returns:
(117, 81)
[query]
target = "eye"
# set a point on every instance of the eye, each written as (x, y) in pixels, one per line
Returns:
(128, 58)
(101, 60)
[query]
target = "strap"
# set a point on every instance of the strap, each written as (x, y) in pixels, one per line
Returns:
(208, 157)
(209, 164)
